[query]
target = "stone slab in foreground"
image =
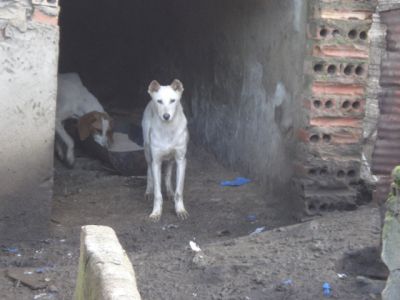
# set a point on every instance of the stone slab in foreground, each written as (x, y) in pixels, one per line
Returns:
(105, 271)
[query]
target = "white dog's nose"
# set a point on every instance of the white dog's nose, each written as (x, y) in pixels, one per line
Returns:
(166, 117)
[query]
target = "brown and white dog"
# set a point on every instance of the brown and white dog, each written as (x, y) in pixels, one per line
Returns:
(165, 136)
(75, 101)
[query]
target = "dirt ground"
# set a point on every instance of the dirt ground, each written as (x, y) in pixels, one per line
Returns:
(287, 261)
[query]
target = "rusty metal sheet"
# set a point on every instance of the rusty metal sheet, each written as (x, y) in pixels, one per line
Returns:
(387, 148)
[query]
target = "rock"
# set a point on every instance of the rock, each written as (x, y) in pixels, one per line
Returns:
(396, 175)
(370, 286)
(284, 286)
(391, 242)
(224, 232)
(53, 289)
(201, 260)
(392, 289)
(317, 246)
(391, 239)
(28, 276)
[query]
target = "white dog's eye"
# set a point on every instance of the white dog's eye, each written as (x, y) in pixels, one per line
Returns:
(159, 101)
(172, 100)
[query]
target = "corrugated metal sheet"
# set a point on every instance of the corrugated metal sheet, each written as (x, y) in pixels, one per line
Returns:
(387, 149)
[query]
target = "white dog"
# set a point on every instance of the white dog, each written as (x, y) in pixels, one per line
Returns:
(165, 137)
(75, 101)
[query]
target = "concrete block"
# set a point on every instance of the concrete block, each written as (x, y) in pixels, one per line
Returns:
(105, 272)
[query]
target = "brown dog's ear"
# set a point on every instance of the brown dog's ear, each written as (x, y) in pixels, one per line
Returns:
(85, 125)
(154, 86)
(177, 85)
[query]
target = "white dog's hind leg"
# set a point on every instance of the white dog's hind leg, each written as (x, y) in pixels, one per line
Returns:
(59, 148)
(180, 179)
(69, 157)
(168, 179)
(158, 201)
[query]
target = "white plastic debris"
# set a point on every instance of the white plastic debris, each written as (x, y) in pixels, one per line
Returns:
(38, 296)
(194, 246)
(342, 275)
(169, 226)
(258, 230)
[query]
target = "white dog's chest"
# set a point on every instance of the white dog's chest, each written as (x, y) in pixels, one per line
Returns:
(166, 145)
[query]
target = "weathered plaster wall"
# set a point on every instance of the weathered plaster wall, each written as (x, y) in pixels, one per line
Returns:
(244, 69)
(241, 63)
(28, 67)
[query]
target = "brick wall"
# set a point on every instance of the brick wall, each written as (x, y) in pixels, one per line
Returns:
(336, 71)
(386, 154)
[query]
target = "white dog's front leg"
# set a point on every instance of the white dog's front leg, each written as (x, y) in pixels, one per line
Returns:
(180, 180)
(168, 181)
(158, 201)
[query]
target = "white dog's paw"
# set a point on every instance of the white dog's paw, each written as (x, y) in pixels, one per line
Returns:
(155, 216)
(182, 214)
(70, 159)
(180, 208)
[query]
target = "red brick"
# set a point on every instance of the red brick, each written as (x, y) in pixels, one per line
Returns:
(323, 88)
(347, 51)
(303, 134)
(347, 137)
(345, 15)
(336, 122)
(41, 17)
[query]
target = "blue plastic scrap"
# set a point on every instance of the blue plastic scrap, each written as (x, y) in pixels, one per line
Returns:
(258, 230)
(12, 250)
(288, 282)
(40, 270)
(326, 289)
(251, 218)
(238, 181)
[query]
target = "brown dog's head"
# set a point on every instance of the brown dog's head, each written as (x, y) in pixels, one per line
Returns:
(97, 124)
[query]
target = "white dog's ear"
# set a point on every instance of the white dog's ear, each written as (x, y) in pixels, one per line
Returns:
(177, 85)
(154, 86)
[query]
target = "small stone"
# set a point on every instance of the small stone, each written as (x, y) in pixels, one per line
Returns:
(229, 243)
(201, 260)
(53, 289)
(259, 280)
(317, 246)
(224, 232)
